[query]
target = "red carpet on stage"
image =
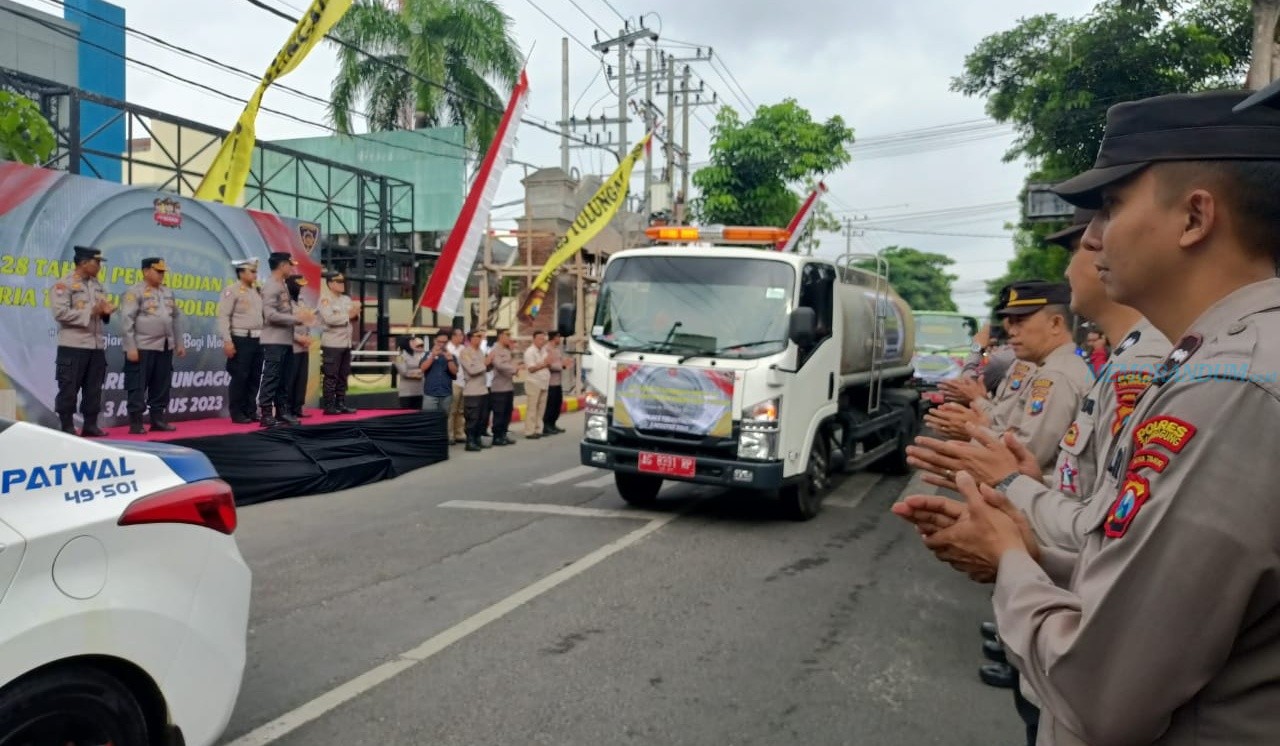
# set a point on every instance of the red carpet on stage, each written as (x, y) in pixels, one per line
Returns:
(224, 426)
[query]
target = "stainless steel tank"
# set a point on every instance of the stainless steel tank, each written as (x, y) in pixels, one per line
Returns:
(858, 300)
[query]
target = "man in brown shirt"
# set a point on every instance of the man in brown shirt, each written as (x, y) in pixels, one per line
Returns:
(475, 393)
(1164, 628)
(502, 391)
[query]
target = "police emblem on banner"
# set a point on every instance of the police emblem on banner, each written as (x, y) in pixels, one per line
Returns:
(168, 212)
(310, 235)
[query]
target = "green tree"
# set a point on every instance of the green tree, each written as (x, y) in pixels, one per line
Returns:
(25, 135)
(1264, 57)
(755, 165)
(1054, 78)
(464, 46)
(920, 277)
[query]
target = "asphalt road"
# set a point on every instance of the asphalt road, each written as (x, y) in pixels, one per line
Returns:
(450, 607)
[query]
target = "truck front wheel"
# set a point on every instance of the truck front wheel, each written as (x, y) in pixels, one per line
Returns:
(803, 499)
(640, 490)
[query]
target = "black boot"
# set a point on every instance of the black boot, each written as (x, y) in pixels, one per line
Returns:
(343, 408)
(266, 419)
(473, 444)
(240, 418)
(135, 424)
(285, 417)
(159, 424)
(91, 429)
(66, 424)
(330, 406)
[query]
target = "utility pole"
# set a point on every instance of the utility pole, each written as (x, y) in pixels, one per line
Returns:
(684, 146)
(648, 118)
(564, 104)
(671, 122)
(625, 39)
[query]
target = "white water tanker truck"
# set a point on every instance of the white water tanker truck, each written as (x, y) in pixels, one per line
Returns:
(713, 362)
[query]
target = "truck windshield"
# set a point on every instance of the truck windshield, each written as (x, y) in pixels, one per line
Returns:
(695, 305)
(942, 331)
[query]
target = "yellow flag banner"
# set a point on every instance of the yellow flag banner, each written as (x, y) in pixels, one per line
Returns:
(225, 180)
(597, 213)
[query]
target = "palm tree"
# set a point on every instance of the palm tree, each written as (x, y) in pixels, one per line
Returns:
(462, 49)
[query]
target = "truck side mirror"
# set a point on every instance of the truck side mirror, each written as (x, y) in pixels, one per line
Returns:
(565, 320)
(804, 327)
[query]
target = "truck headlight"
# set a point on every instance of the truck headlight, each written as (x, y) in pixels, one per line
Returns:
(758, 439)
(596, 406)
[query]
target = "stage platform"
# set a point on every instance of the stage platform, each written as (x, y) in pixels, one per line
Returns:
(322, 454)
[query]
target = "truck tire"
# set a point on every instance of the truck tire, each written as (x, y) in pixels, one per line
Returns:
(802, 500)
(640, 490)
(76, 705)
(908, 428)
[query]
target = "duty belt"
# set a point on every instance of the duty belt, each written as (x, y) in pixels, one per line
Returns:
(250, 333)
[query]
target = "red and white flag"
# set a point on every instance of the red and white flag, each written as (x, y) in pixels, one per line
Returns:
(449, 278)
(802, 218)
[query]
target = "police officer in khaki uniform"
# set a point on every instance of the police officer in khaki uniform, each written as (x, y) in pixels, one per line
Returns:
(82, 309)
(302, 343)
(967, 394)
(279, 319)
(240, 329)
(1165, 627)
(337, 311)
(152, 335)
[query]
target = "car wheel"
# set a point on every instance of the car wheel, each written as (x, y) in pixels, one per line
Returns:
(74, 706)
(803, 500)
(640, 490)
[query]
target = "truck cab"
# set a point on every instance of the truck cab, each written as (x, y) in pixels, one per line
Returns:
(731, 365)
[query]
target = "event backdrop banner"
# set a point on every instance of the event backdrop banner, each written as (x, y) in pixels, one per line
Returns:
(43, 214)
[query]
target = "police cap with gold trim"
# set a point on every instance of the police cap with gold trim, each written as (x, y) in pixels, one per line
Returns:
(1025, 298)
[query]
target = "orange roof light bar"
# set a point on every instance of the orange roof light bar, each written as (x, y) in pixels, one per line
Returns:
(672, 233)
(724, 234)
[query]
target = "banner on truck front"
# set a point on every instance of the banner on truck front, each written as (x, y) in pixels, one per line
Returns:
(690, 401)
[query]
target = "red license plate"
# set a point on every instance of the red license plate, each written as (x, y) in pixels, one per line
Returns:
(671, 466)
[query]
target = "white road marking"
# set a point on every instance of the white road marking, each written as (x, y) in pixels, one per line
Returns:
(854, 490)
(605, 481)
(551, 509)
(566, 475)
(336, 697)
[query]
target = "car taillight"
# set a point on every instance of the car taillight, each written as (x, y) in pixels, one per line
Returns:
(209, 503)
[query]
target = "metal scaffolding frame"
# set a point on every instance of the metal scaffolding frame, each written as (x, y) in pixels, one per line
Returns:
(373, 212)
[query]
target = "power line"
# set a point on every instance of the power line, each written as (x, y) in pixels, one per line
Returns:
(425, 81)
(208, 89)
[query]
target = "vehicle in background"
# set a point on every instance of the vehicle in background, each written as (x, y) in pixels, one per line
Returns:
(124, 601)
(715, 362)
(943, 340)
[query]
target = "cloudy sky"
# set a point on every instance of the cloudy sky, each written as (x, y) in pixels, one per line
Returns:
(927, 172)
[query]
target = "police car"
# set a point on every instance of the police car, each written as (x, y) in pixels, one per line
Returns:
(124, 602)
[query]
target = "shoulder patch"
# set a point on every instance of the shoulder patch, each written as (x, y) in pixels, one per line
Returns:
(1153, 460)
(60, 287)
(1169, 432)
(1072, 436)
(1134, 493)
(1179, 355)
(1129, 387)
(1128, 342)
(1040, 389)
